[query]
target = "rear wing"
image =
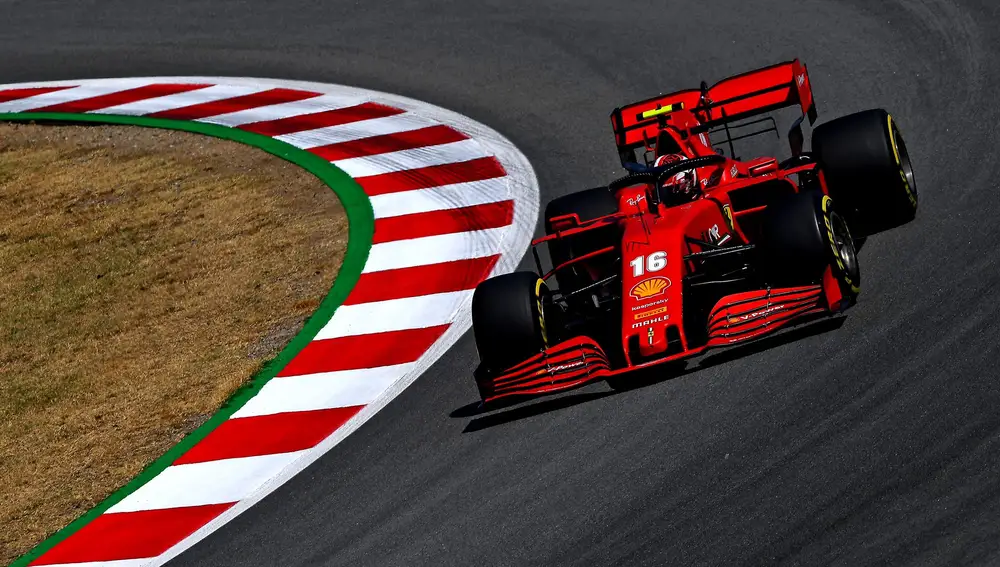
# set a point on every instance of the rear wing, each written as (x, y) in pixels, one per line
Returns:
(738, 97)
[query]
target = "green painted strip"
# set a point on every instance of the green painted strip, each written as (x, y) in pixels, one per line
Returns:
(361, 228)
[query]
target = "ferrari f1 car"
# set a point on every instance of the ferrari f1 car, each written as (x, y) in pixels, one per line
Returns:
(693, 248)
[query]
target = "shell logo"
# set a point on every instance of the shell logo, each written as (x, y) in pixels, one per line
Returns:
(649, 288)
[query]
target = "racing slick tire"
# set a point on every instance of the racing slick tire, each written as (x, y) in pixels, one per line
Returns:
(508, 319)
(801, 235)
(867, 169)
(588, 205)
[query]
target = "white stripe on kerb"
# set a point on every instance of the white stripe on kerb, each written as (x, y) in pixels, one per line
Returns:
(284, 110)
(198, 484)
(59, 97)
(415, 158)
(435, 249)
(356, 130)
(180, 100)
(452, 196)
(394, 315)
(309, 392)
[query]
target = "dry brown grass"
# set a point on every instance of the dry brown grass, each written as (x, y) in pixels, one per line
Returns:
(144, 275)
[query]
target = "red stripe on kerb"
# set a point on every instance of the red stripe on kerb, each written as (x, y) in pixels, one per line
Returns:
(464, 219)
(432, 176)
(16, 94)
(234, 104)
(130, 535)
(267, 434)
(430, 136)
(120, 97)
(303, 122)
(459, 275)
(363, 351)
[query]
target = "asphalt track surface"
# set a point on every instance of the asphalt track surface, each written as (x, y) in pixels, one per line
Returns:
(876, 441)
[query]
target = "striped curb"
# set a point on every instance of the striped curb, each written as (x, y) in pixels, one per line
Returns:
(452, 201)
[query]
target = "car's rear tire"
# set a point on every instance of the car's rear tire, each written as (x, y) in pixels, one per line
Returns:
(867, 170)
(588, 205)
(508, 319)
(801, 235)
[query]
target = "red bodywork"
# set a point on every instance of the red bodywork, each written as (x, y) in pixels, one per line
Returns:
(656, 244)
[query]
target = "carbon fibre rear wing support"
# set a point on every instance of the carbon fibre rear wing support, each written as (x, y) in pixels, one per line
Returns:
(735, 98)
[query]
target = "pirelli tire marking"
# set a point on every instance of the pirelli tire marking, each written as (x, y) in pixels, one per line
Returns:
(539, 286)
(832, 240)
(911, 194)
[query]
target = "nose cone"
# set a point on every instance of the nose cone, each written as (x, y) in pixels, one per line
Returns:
(651, 300)
(652, 336)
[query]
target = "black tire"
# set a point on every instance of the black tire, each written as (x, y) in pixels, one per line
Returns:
(588, 205)
(868, 170)
(507, 319)
(801, 235)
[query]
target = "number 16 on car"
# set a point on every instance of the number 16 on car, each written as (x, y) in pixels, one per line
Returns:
(647, 264)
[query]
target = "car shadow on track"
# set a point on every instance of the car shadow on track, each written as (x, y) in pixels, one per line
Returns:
(522, 411)
(818, 327)
(485, 417)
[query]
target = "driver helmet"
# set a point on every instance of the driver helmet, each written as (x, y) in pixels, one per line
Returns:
(685, 182)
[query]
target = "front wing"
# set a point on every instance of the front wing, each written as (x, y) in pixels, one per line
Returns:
(736, 318)
(569, 364)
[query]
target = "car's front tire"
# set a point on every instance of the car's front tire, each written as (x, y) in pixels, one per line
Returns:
(801, 235)
(508, 319)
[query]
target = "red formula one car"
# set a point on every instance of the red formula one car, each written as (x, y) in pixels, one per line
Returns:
(694, 249)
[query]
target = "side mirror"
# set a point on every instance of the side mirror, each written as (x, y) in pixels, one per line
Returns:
(763, 167)
(565, 222)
